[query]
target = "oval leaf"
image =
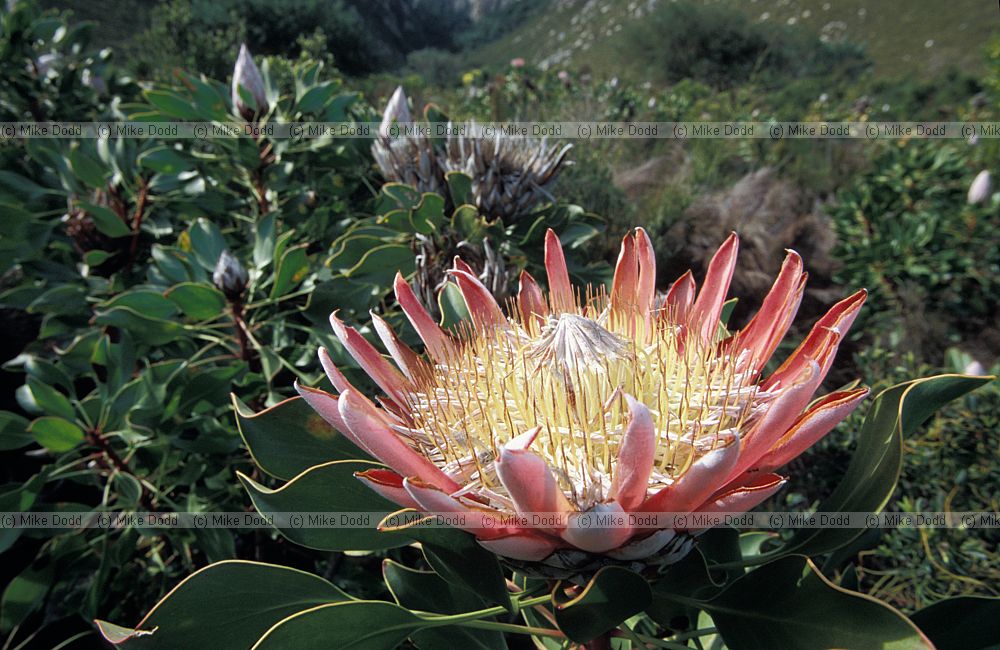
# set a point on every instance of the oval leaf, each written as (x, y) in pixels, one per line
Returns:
(197, 300)
(56, 434)
(612, 595)
(332, 488)
(226, 605)
(367, 624)
(802, 610)
(961, 623)
(289, 438)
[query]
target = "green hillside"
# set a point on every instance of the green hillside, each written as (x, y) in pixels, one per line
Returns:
(901, 36)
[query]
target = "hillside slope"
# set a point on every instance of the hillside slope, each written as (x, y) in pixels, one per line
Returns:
(901, 36)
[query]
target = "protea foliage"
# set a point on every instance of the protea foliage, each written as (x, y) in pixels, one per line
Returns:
(588, 401)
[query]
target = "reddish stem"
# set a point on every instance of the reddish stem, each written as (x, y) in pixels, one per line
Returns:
(140, 211)
(111, 461)
(257, 176)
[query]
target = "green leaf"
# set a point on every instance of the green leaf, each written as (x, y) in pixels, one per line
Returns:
(874, 469)
(316, 97)
(677, 592)
(146, 302)
(469, 224)
(425, 591)
(349, 249)
(353, 298)
(207, 243)
(87, 169)
(289, 438)
(171, 104)
(452, 306)
(20, 499)
(198, 300)
(803, 610)
(429, 215)
(397, 195)
(96, 257)
(459, 187)
(62, 299)
(25, 594)
(380, 264)
(106, 220)
(165, 160)
(612, 595)
(216, 543)
(226, 605)
(361, 624)
(13, 431)
(264, 240)
(154, 331)
(292, 269)
(961, 623)
(330, 487)
(458, 558)
(56, 434)
(42, 398)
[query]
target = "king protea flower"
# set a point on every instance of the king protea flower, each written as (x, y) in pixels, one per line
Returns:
(584, 401)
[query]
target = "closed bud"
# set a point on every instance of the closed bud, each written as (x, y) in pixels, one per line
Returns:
(247, 76)
(979, 191)
(974, 368)
(230, 276)
(395, 111)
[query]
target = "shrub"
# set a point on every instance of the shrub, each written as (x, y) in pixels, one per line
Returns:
(720, 46)
(929, 259)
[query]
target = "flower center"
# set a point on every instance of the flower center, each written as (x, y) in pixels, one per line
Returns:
(571, 343)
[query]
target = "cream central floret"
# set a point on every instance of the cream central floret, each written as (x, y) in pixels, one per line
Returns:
(567, 378)
(569, 344)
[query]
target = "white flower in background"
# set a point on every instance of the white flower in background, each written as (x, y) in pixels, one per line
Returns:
(979, 191)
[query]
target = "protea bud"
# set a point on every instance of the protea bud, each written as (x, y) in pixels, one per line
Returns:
(586, 402)
(410, 159)
(247, 76)
(979, 191)
(230, 276)
(396, 110)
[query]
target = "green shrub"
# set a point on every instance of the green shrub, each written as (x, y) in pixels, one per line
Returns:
(720, 46)
(929, 259)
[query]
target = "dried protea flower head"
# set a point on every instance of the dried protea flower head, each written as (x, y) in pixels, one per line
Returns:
(586, 401)
(510, 176)
(484, 261)
(247, 76)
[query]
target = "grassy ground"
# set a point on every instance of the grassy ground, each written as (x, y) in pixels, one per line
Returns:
(902, 36)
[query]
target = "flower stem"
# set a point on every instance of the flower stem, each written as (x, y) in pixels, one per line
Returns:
(514, 628)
